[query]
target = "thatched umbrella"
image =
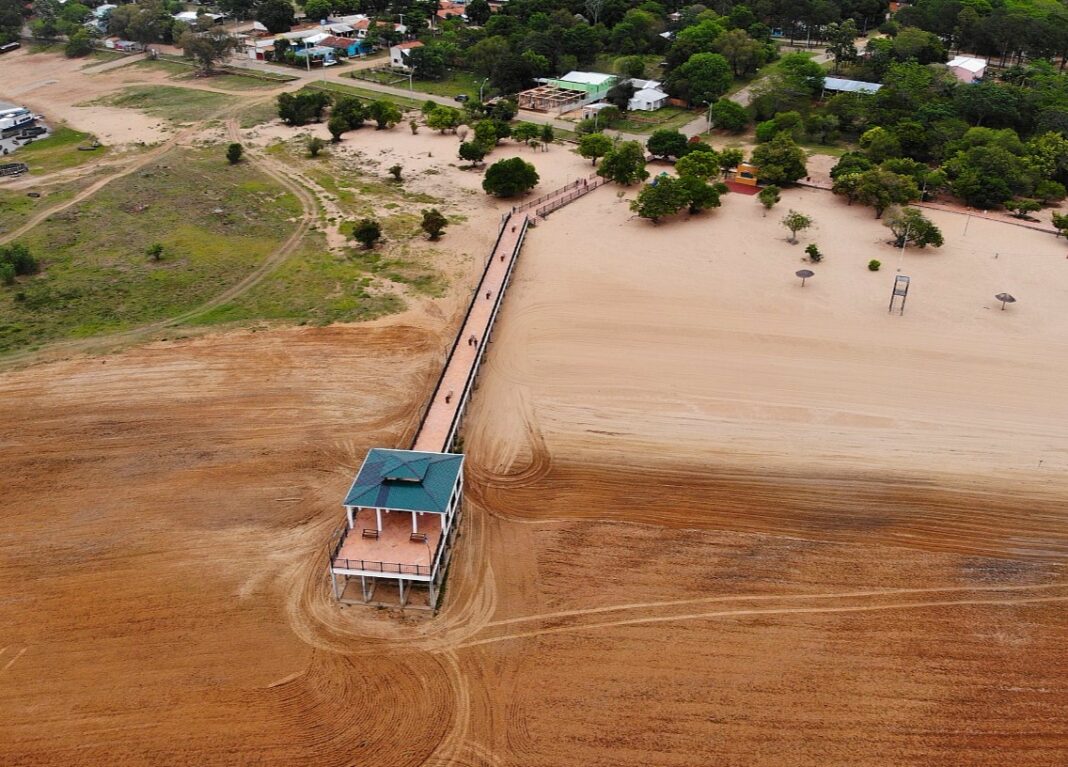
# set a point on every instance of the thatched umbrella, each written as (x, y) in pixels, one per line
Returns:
(804, 274)
(1005, 298)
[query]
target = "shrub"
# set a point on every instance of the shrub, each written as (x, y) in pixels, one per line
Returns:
(813, 252)
(1050, 191)
(19, 258)
(234, 152)
(395, 171)
(874, 264)
(434, 223)
(315, 146)
(154, 251)
(367, 232)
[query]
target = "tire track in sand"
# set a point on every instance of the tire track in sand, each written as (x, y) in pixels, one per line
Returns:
(786, 611)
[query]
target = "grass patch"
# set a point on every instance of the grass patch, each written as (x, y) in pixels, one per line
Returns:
(177, 105)
(228, 81)
(456, 82)
(216, 222)
(17, 207)
(646, 122)
(101, 56)
(59, 151)
(258, 114)
(350, 90)
(313, 286)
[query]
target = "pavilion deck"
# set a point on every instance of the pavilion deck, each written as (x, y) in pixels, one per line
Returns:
(393, 552)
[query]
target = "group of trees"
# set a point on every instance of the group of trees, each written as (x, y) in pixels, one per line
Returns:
(348, 112)
(692, 188)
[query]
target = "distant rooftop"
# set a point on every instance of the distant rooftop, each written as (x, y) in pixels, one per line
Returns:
(587, 78)
(849, 86)
(405, 480)
(968, 63)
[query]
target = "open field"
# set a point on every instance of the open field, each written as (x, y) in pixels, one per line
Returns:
(216, 223)
(178, 105)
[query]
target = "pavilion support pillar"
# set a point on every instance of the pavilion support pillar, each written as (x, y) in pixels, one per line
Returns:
(378, 519)
(368, 593)
(351, 516)
(415, 523)
(404, 593)
(333, 583)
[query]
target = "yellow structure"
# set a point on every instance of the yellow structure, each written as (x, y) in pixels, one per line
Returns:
(746, 173)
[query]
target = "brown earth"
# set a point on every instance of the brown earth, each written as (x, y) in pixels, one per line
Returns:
(713, 519)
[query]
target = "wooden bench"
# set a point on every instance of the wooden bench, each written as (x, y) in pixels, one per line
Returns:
(370, 532)
(417, 537)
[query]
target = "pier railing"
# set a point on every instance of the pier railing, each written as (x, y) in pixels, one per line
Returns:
(560, 202)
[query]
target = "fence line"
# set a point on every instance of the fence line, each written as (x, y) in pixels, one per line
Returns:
(561, 202)
(459, 332)
(390, 568)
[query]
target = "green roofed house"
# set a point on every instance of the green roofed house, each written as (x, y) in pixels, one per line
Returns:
(401, 510)
(571, 91)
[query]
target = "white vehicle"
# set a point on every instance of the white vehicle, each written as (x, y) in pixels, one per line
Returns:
(16, 118)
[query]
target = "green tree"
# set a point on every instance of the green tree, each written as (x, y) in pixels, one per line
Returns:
(276, 15)
(910, 227)
(348, 108)
(699, 194)
(1060, 223)
(840, 45)
(207, 48)
(472, 151)
(702, 165)
(318, 10)
(444, 118)
(508, 178)
(525, 132)
(667, 143)
(434, 223)
(986, 176)
(429, 61)
(1021, 208)
(624, 163)
(664, 197)
(367, 232)
(594, 145)
(880, 144)
(729, 116)
(80, 43)
(701, 80)
(337, 125)
(547, 135)
(781, 160)
(881, 188)
(769, 196)
(730, 157)
(795, 222)
(315, 145)
(384, 113)
(478, 12)
(234, 152)
(19, 258)
(744, 54)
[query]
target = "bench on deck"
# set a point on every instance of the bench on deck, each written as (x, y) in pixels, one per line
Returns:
(417, 537)
(370, 532)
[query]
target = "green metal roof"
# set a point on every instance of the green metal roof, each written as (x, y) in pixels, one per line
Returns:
(406, 480)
